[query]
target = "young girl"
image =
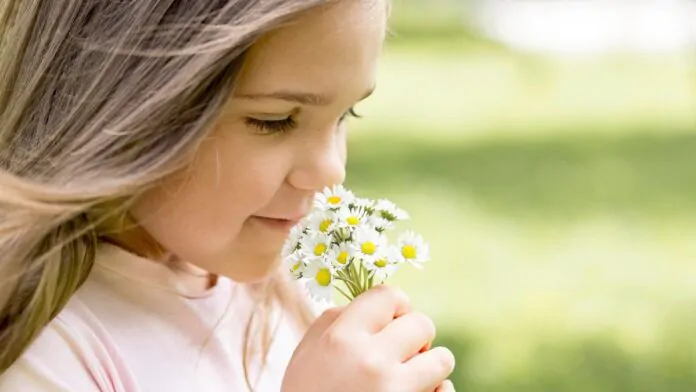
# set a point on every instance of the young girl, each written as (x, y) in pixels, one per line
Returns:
(154, 155)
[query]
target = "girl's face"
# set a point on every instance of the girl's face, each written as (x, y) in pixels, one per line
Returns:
(281, 138)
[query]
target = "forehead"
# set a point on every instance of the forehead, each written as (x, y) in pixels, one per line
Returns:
(339, 43)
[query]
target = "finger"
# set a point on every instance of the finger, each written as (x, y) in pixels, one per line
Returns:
(446, 386)
(407, 335)
(374, 309)
(428, 370)
(323, 322)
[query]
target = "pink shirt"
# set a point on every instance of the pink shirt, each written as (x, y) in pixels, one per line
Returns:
(138, 326)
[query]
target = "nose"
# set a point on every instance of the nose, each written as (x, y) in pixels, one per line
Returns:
(320, 162)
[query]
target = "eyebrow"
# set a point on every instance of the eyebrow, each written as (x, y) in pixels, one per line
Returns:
(304, 98)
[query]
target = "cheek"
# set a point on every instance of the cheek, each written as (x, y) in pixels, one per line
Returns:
(199, 213)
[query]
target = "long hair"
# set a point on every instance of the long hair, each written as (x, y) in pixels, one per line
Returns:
(99, 101)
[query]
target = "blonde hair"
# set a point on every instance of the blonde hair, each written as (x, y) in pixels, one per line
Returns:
(100, 100)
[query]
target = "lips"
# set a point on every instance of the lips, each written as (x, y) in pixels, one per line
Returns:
(297, 218)
(281, 220)
(281, 223)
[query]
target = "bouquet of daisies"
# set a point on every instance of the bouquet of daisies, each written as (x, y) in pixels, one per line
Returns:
(344, 241)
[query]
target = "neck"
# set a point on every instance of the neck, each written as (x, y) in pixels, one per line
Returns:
(140, 243)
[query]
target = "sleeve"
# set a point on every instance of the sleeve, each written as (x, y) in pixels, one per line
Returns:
(74, 353)
(51, 364)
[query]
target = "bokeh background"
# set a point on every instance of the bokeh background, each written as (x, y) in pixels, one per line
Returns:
(547, 151)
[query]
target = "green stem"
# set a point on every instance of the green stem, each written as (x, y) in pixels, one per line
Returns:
(345, 277)
(354, 279)
(349, 285)
(358, 278)
(364, 274)
(350, 270)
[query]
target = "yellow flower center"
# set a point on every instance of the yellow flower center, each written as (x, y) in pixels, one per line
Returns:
(319, 249)
(381, 263)
(323, 277)
(342, 258)
(296, 266)
(324, 225)
(353, 220)
(408, 251)
(334, 200)
(368, 248)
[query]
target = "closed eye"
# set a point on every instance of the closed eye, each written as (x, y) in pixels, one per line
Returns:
(269, 127)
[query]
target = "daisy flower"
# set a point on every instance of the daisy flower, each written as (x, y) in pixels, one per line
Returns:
(363, 203)
(369, 244)
(292, 243)
(322, 221)
(352, 217)
(315, 244)
(344, 241)
(319, 278)
(390, 211)
(334, 198)
(412, 249)
(380, 223)
(340, 255)
(295, 264)
(384, 266)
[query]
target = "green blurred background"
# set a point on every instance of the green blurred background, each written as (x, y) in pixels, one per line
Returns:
(558, 193)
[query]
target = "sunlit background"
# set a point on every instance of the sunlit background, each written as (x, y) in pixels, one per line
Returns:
(547, 151)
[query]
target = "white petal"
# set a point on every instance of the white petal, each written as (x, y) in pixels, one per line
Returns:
(317, 292)
(401, 214)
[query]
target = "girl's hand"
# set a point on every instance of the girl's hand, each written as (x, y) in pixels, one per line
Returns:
(375, 344)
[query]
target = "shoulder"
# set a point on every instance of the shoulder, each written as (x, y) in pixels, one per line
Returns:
(72, 353)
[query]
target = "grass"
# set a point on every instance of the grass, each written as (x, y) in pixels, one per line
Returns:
(560, 179)
(559, 197)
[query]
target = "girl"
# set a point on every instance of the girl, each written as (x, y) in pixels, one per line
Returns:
(153, 156)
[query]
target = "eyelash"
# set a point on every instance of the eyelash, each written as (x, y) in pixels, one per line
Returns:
(266, 127)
